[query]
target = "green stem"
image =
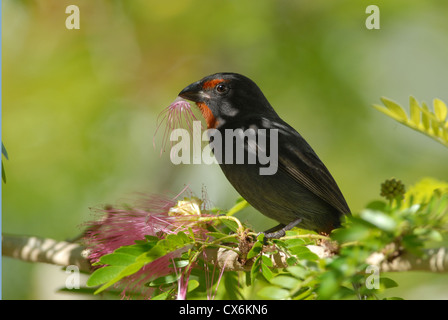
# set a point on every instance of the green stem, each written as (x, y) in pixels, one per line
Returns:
(237, 207)
(240, 226)
(298, 236)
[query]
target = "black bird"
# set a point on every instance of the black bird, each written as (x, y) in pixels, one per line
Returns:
(298, 189)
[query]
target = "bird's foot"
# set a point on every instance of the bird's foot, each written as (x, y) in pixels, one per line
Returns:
(280, 230)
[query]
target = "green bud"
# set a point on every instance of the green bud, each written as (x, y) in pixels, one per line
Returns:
(392, 189)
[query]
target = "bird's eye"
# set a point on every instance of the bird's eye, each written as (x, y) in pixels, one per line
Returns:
(222, 88)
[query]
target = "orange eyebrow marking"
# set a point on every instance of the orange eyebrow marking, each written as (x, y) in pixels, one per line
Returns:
(211, 83)
(208, 115)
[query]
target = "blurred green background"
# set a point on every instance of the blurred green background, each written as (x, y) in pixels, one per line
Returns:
(80, 106)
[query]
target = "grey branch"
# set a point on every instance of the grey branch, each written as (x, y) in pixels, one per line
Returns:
(229, 259)
(35, 249)
(433, 260)
(63, 253)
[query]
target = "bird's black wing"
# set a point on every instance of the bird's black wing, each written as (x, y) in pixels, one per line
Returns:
(298, 161)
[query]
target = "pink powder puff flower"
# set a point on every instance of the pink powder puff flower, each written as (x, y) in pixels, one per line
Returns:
(155, 216)
(178, 114)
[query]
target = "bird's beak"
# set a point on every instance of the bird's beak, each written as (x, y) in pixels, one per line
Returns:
(194, 92)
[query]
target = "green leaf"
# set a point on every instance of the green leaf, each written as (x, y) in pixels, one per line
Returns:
(425, 116)
(232, 225)
(305, 293)
(151, 238)
(180, 263)
(395, 109)
(158, 251)
(294, 242)
(217, 235)
(286, 282)
(429, 234)
(292, 233)
(297, 271)
(329, 285)
(415, 111)
(379, 219)
(183, 237)
(233, 287)
(355, 232)
(303, 253)
(255, 250)
(136, 249)
(103, 275)
(260, 238)
(387, 283)
(163, 296)
(413, 244)
(274, 293)
(125, 271)
(191, 233)
(291, 261)
(387, 112)
(255, 269)
(266, 272)
(432, 124)
(434, 235)
(266, 261)
(435, 128)
(118, 259)
(440, 110)
(377, 205)
(168, 279)
(192, 284)
(173, 241)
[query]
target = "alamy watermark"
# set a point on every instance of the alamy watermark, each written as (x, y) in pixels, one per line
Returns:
(72, 22)
(373, 280)
(234, 146)
(73, 279)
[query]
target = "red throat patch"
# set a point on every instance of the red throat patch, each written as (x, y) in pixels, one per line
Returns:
(208, 115)
(205, 110)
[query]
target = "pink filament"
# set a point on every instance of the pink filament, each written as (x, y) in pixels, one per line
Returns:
(178, 114)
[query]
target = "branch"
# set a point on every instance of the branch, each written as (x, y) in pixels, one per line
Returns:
(230, 260)
(433, 260)
(35, 249)
(63, 253)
